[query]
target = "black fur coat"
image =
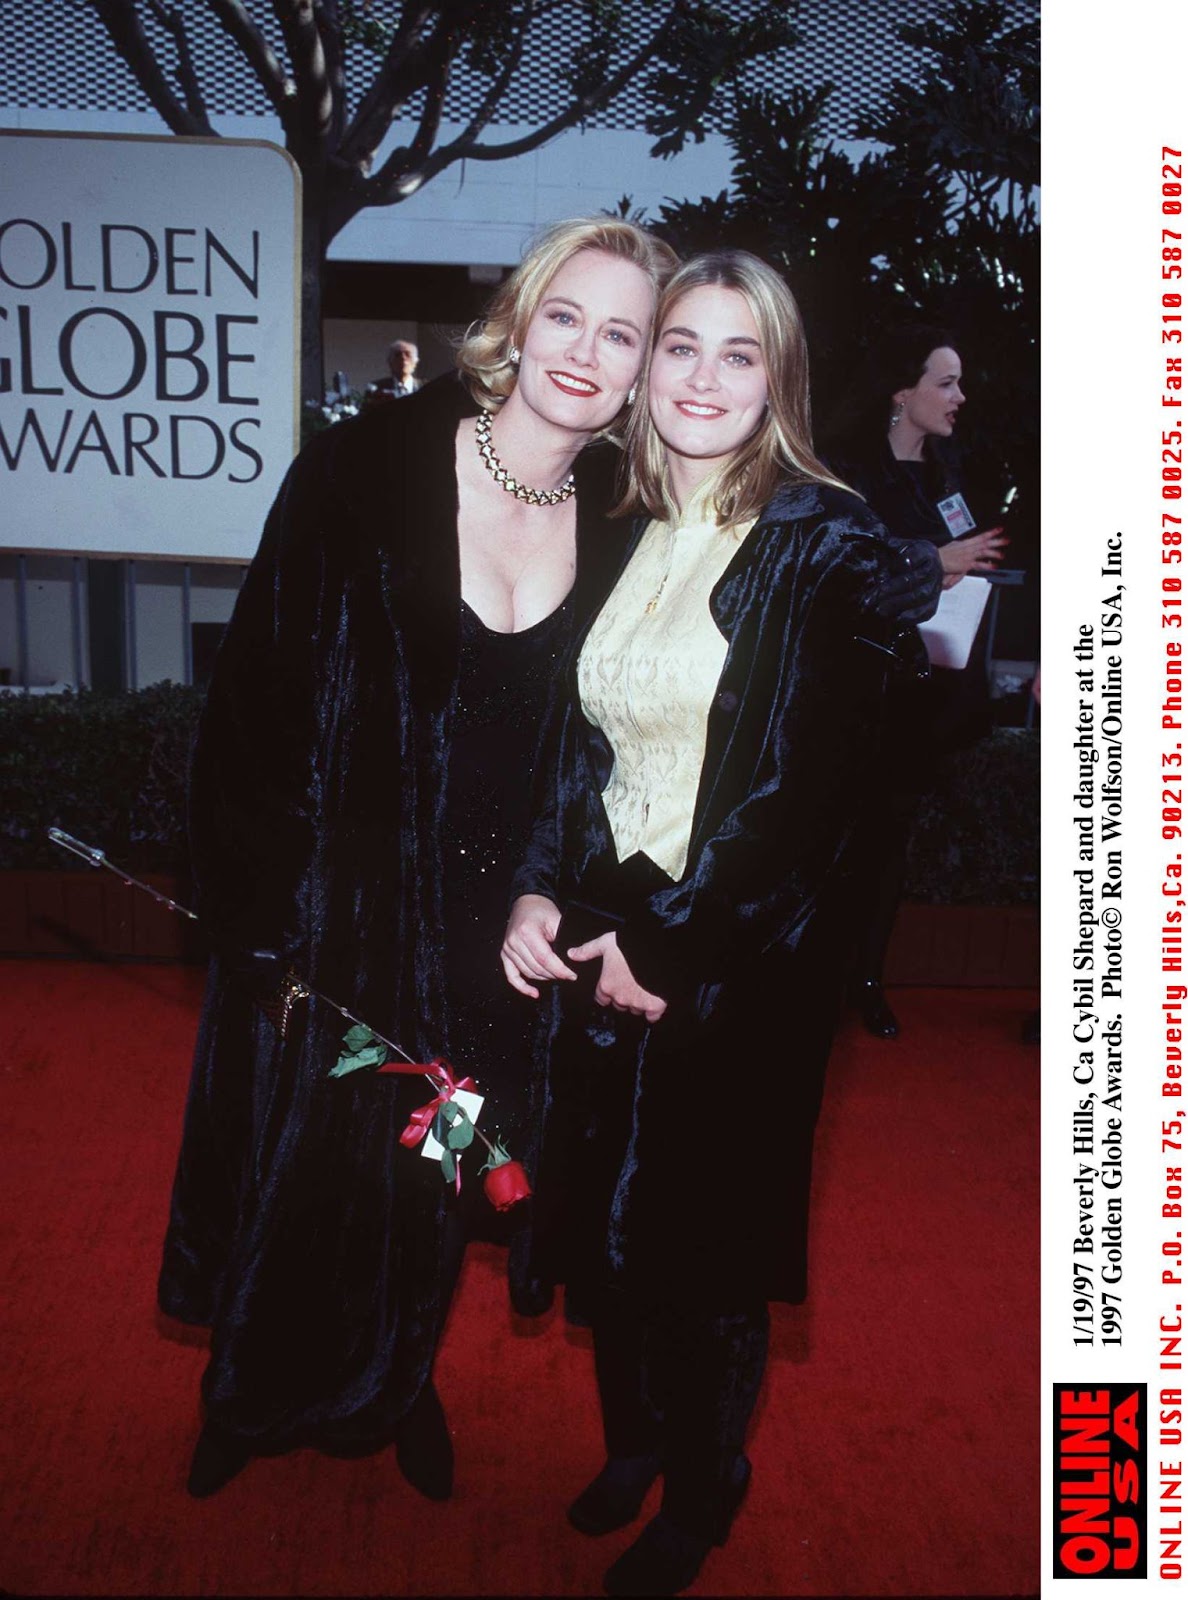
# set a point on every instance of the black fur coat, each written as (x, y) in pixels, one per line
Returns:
(299, 1228)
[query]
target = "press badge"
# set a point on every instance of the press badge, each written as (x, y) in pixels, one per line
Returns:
(956, 515)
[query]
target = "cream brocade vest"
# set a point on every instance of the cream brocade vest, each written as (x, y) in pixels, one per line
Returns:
(647, 675)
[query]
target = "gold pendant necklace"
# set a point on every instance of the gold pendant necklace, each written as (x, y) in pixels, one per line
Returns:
(655, 600)
(532, 497)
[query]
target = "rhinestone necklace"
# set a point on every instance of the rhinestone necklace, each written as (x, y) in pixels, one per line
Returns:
(532, 497)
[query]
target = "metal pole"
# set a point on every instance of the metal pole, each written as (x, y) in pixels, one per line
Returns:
(76, 607)
(22, 619)
(131, 675)
(992, 629)
(187, 629)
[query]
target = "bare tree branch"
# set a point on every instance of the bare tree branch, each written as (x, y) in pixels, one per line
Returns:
(258, 54)
(430, 122)
(498, 89)
(303, 41)
(396, 79)
(171, 21)
(584, 106)
(330, 28)
(399, 177)
(124, 28)
(400, 174)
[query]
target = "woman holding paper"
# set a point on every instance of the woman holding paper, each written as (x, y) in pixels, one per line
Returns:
(683, 887)
(890, 446)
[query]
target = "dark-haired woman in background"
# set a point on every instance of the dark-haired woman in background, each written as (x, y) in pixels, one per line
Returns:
(889, 445)
(705, 774)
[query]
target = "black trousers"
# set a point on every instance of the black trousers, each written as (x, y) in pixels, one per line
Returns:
(680, 1383)
(877, 864)
(927, 723)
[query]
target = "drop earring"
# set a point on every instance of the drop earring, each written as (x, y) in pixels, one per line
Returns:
(513, 355)
(896, 413)
(631, 395)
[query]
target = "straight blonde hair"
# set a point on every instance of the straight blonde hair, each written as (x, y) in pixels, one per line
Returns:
(782, 444)
(484, 357)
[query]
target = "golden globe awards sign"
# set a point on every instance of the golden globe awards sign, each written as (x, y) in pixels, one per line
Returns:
(148, 342)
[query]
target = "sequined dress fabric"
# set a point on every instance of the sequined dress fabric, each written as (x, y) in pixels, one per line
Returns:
(503, 686)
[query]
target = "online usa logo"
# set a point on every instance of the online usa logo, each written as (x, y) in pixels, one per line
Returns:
(1099, 1480)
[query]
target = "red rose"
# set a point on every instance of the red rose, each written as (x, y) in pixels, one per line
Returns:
(506, 1185)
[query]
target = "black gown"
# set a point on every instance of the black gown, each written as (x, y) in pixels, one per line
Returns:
(503, 687)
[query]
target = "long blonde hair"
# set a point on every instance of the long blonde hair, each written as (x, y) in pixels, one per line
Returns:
(484, 355)
(782, 444)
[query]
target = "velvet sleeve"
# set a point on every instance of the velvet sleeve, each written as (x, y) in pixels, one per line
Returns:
(561, 785)
(254, 775)
(539, 870)
(908, 587)
(755, 876)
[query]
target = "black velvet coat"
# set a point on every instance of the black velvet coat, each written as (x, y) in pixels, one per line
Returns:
(950, 708)
(299, 1228)
(677, 1158)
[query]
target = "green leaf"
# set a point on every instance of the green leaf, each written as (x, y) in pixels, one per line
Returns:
(357, 1036)
(372, 1055)
(451, 1112)
(346, 1063)
(461, 1135)
(449, 1165)
(366, 1055)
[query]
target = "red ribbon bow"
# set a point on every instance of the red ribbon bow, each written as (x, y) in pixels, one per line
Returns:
(422, 1118)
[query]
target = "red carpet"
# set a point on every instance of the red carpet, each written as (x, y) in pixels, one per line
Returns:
(895, 1448)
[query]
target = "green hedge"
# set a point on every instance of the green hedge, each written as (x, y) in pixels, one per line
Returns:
(110, 769)
(977, 838)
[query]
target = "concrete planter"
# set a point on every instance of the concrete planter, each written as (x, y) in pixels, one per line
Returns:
(91, 915)
(975, 947)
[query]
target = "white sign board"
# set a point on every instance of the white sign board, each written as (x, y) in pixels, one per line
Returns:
(148, 342)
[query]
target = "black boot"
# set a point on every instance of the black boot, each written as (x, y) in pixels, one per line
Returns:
(668, 1555)
(714, 1370)
(615, 1496)
(629, 1421)
(424, 1450)
(877, 1016)
(218, 1457)
(663, 1560)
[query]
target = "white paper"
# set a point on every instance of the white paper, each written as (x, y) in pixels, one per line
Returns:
(471, 1103)
(949, 635)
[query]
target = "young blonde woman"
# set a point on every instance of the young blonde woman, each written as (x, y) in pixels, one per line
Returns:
(357, 805)
(682, 896)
